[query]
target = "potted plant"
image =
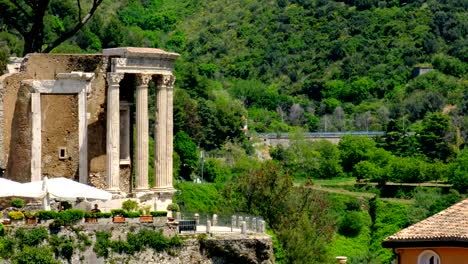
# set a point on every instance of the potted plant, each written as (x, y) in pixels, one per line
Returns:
(4, 221)
(118, 216)
(130, 205)
(146, 217)
(91, 218)
(30, 218)
(130, 208)
(16, 217)
(17, 203)
(45, 216)
(174, 208)
(71, 216)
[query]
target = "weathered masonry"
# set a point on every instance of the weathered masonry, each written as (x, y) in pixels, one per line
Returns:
(73, 116)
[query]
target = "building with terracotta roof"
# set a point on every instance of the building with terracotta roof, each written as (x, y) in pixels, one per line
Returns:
(439, 239)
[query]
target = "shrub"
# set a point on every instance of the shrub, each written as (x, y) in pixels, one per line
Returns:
(70, 216)
(130, 205)
(101, 247)
(62, 246)
(16, 215)
(146, 209)
(97, 215)
(153, 239)
(66, 250)
(32, 237)
(46, 215)
(353, 204)
(2, 230)
(351, 224)
(175, 241)
(57, 223)
(17, 203)
(35, 255)
(173, 207)
(103, 215)
(120, 246)
(132, 214)
(159, 213)
(120, 212)
(135, 241)
(7, 247)
(29, 215)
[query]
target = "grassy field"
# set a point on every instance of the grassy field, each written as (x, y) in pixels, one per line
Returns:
(337, 185)
(324, 182)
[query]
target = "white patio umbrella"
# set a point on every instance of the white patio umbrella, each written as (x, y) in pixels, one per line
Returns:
(9, 188)
(66, 189)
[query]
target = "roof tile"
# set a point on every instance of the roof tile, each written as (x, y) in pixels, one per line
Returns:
(449, 224)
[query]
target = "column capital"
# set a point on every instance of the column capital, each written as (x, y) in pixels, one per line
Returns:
(143, 79)
(166, 80)
(114, 78)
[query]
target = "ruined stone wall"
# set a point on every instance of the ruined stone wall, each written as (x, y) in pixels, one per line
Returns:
(18, 132)
(8, 104)
(60, 134)
(16, 123)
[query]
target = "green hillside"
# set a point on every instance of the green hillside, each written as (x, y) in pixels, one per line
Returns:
(296, 66)
(322, 65)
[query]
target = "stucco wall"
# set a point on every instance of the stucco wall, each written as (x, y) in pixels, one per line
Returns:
(447, 255)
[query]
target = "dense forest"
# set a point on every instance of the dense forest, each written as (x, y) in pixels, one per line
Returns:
(297, 66)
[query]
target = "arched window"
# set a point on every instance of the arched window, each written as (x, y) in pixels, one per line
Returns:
(428, 257)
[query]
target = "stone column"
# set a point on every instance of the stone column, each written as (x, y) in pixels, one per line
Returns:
(113, 130)
(160, 136)
(142, 132)
(169, 131)
(163, 134)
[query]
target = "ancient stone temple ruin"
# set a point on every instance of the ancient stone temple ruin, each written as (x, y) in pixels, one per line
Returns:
(73, 116)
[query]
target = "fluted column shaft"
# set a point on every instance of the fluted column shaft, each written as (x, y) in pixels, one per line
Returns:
(160, 137)
(142, 132)
(169, 132)
(113, 130)
(163, 134)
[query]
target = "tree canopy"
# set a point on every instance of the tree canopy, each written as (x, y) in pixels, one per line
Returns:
(29, 19)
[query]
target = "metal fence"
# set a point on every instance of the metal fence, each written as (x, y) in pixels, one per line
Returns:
(212, 223)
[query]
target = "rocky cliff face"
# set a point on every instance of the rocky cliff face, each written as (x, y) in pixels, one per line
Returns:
(223, 248)
(238, 250)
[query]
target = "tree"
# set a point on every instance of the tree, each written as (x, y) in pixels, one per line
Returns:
(329, 159)
(433, 136)
(30, 18)
(302, 160)
(187, 150)
(269, 191)
(368, 170)
(459, 172)
(354, 149)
